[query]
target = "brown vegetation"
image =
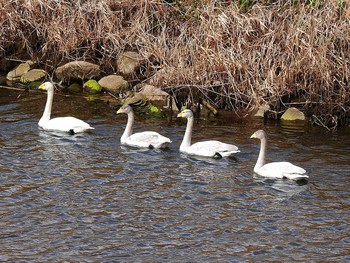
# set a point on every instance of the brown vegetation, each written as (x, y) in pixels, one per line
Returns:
(234, 54)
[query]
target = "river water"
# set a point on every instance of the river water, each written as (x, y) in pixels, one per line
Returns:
(86, 198)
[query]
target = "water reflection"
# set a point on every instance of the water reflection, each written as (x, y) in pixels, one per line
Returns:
(85, 197)
(293, 128)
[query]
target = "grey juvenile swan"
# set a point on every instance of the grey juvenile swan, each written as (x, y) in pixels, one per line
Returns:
(214, 149)
(146, 139)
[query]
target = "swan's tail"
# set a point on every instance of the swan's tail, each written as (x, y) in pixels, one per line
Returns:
(228, 153)
(80, 129)
(296, 176)
(161, 145)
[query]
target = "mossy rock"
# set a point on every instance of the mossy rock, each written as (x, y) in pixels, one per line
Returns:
(150, 110)
(34, 84)
(92, 86)
(293, 114)
(75, 88)
(154, 109)
(33, 75)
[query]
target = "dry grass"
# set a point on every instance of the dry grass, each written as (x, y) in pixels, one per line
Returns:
(233, 54)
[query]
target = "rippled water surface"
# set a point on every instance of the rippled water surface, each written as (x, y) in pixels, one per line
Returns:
(86, 198)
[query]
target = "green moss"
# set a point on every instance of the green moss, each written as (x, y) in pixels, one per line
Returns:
(92, 86)
(154, 109)
(34, 84)
(342, 5)
(245, 5)
(315, 3)
(183, 108)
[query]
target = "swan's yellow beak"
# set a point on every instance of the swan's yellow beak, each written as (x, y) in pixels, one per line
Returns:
(179, 115)
(120, 111)
(253, 136)
(41, 86)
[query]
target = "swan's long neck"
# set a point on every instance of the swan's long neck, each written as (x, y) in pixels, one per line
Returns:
(128, 129)
(186, 142)
(261, 159)
(47, 112)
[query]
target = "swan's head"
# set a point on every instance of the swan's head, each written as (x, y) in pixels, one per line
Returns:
(46, 86)
(260, 134)
(125, 109)
(185, 114)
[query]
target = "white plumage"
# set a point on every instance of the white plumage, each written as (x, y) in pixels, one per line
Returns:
(275, 169)
(64, 124)
(212, 148)
(146, 139)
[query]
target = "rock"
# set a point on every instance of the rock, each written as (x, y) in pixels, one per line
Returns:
(78, 70)
(261, 111)
(17, 73)
(114, 83)
(158, 97)
(92, 86)
(136, 99)
(292, 114)
(154, 93)
(151, 95)
(33, 75)
(128, 62)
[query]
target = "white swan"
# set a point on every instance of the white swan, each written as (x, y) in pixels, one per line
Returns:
(214, 149)
(284, 170)
(64, 124)
(146, 139)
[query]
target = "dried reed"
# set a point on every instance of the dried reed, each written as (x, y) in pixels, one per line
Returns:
(235, 54)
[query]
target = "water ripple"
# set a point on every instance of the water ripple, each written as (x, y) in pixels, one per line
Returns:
(87, 198)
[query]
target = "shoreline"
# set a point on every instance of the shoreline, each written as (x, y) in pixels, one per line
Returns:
(237, 57)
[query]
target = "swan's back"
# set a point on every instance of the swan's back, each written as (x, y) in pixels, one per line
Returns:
(211, 148)
(148, 139)
(282, 170)
(66, 124)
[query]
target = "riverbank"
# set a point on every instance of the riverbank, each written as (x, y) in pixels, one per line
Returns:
(238, 56)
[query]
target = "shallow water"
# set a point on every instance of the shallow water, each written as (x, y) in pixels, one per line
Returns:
(87, 198)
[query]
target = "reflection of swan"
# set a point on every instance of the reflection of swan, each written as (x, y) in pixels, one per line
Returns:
(213, 149)
(275, 169)
(63, 124)
(149, 139)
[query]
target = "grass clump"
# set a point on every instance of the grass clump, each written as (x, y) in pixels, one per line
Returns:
(234, 54)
